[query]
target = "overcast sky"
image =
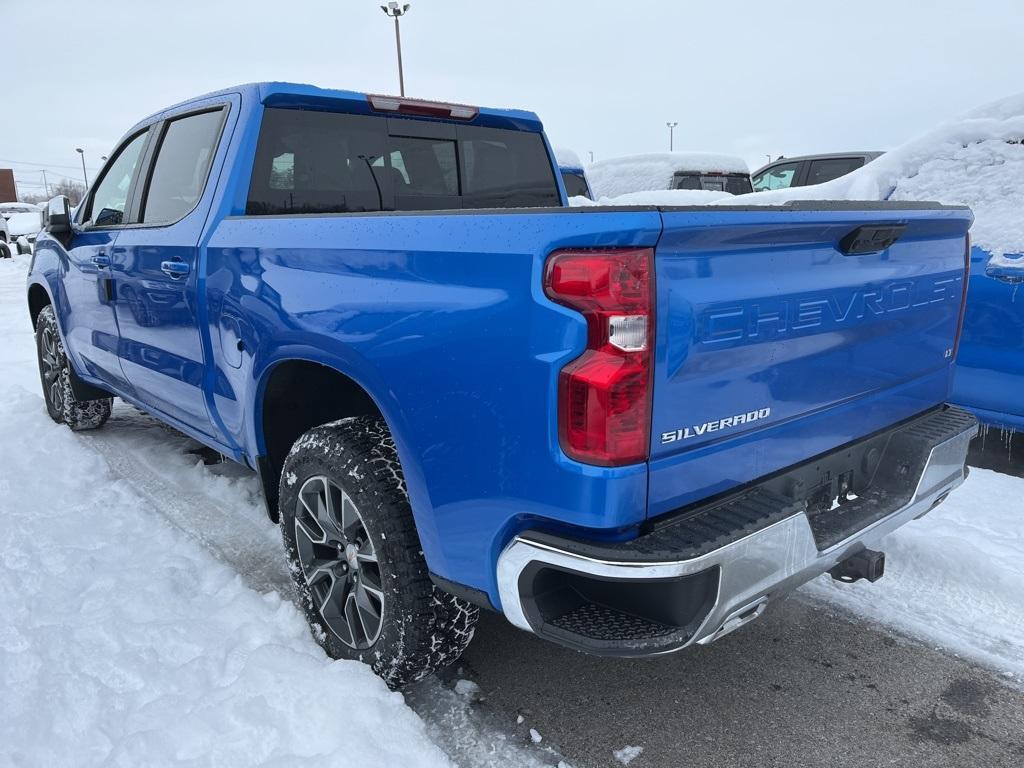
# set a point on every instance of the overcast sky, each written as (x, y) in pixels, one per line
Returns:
(747, 77)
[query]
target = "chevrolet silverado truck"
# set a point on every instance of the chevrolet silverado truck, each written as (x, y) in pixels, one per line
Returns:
(626, 429)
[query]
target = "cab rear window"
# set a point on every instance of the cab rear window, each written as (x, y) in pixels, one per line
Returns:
(327, 162)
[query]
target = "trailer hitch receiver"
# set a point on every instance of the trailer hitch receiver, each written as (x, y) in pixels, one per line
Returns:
(865, 564)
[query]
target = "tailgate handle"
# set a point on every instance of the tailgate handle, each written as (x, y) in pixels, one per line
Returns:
(871, 239)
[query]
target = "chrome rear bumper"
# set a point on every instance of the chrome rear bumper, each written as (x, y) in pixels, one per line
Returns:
(751, 571)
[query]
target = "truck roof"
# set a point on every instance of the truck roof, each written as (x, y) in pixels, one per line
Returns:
(313, 97)
(868, 156)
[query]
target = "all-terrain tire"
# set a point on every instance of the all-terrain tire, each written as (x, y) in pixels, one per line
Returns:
(55, 374)
(421, 628)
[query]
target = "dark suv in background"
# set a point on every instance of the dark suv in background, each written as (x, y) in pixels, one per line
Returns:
(806, 170)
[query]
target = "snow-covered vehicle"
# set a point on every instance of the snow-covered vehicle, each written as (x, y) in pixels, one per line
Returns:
(574, 175)
(806, 170)
(9, 209)
(5, 249)
(976, 160)
(22, 229)
(669, 170)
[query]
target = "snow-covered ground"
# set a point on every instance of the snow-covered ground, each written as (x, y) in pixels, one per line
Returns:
(147, 616)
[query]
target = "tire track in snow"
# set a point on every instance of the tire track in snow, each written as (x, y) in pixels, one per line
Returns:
(154, 460)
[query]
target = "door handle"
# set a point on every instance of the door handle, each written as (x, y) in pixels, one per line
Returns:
(101, 260)
(1012, 274)
(175, 269)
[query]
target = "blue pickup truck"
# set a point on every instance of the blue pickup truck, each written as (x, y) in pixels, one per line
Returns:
(626, 429)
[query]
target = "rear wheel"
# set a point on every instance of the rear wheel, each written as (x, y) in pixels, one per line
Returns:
(55, 373)
(5, 251)
(355, 555)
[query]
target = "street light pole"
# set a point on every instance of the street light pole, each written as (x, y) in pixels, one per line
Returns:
(82, 153)
(671, 130)
(397, 11)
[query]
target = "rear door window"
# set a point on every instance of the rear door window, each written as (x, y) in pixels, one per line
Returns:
(329, 162)
(181, 167)
(776, 177)
(832, 168)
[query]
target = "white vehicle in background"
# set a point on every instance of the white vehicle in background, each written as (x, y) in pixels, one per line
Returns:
(5, 249)
(22, 229)
(21, 223)
(695, 171)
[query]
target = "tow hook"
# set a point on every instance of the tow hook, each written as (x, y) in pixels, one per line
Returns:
(865, 564)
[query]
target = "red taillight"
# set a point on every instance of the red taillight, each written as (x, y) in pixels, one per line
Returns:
(963, 296)
(604, 396)
(405, 106)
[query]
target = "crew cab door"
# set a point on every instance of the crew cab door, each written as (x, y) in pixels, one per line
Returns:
(156, 269)
(90, 325)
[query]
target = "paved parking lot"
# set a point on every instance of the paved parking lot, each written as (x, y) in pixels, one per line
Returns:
(803, 686)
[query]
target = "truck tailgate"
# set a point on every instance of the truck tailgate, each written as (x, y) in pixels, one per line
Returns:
(781, 335)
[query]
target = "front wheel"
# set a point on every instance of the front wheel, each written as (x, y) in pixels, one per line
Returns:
(55, 373)
(5, 251)
(355, 555)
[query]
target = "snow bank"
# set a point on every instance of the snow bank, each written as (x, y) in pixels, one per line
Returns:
(975, 160)
(955, 577)
(125, 643)
(567, 158)
(664, 197)
(640, 173)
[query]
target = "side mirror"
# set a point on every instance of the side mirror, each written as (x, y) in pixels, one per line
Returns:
(58, 215)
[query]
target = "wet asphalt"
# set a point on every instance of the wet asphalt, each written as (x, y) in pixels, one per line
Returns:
(805, 685)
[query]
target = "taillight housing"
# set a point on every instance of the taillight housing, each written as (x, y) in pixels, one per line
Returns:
(604, 395)
(963, 296)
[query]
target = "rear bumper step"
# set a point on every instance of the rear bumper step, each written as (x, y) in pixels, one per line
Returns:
(713, 568)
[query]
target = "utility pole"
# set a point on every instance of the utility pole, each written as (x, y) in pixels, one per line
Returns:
(46, 185)
(397, 11)
(671, 131)
(591, 155)
(81, 152)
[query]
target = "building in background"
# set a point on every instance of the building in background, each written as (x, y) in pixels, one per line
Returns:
(8, 191)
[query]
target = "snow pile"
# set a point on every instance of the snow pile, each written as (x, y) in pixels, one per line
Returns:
(664, 197)
(640, 173)
(976, 160)
(627, 754)
(567, 158)
(125, 643)
(956, 576)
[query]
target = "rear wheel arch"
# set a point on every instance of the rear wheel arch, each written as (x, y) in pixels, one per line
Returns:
(294, 396)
